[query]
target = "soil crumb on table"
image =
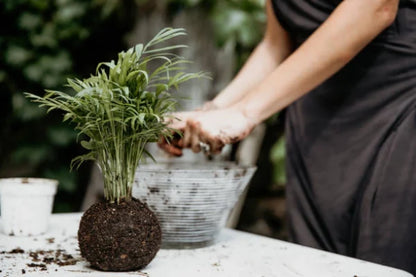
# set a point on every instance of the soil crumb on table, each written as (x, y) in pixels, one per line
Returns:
(50, 240)
(41, 259)
(36, 265)
(58, 257)
(16, 251)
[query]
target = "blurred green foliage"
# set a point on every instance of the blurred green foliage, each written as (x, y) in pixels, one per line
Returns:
(277, 156)
(240, 22)
(43, 42)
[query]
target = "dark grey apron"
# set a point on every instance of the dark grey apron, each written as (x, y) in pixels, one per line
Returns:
(351, 144)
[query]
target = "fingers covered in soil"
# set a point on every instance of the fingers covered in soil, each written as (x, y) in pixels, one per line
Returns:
(172, 147)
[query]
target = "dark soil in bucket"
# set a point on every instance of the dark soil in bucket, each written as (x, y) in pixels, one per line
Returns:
(119, 237)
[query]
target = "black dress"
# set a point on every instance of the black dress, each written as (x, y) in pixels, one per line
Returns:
(351, 144)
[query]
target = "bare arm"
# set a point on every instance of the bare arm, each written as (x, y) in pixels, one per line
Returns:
(269, 53)
(352, 25)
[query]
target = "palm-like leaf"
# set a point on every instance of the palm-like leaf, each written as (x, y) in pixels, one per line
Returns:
(122, 107)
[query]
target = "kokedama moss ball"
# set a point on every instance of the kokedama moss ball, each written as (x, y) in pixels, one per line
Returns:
(119, 237)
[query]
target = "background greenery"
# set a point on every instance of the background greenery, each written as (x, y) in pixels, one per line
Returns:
(43, 42)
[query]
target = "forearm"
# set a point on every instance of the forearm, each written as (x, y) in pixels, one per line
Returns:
(270, 52)
(264, 59)
(344, 34)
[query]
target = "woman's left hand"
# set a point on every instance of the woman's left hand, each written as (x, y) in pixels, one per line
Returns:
(176, 121)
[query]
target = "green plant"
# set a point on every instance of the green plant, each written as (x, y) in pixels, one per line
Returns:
(123, 107)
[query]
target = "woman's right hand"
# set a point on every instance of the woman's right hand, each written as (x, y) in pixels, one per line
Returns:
(215, 128)
(178, 122)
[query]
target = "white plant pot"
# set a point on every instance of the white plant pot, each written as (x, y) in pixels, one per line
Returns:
(26, 205)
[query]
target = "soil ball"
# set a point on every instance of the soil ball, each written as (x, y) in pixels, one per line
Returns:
(119, 237)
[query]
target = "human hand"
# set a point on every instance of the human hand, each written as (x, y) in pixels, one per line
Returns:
(216, 128)
(176, 121)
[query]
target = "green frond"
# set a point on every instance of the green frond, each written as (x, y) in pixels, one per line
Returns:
(121, 108)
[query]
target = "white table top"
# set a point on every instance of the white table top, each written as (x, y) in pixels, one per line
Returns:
(235, 254)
